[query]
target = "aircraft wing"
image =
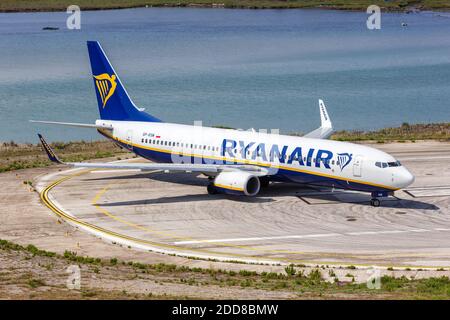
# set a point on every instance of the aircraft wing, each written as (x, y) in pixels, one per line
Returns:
(167, 167)
(326, 128)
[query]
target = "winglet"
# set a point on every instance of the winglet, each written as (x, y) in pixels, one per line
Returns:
(324, 118)
(326, 127)
(51, 155)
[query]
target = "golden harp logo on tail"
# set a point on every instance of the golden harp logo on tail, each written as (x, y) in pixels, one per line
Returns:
(106, 85)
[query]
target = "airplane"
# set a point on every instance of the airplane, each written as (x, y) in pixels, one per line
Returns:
(237, 162)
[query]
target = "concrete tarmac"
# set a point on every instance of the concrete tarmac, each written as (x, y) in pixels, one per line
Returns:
(172, 213)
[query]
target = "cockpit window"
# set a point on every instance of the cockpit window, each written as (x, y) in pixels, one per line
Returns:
(387, 164)
(394, 164)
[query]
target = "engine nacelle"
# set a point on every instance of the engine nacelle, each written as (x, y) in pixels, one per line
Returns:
(237, 182)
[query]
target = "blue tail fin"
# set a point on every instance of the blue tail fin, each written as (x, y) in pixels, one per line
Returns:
(113, 100)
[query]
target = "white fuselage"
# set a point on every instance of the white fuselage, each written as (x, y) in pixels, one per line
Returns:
(290, 158)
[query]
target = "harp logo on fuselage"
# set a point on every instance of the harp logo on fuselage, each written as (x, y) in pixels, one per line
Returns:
(344, 159)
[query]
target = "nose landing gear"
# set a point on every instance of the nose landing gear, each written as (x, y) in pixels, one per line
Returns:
(375, 202)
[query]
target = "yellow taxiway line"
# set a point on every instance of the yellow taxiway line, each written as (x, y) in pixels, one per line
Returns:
(156, 246)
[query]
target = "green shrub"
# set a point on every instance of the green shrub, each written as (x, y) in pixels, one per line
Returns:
(435, 286)
(391, 283)
(246, 273)
(34, 283)
(246, 283)
(315, 275)
(290, 270)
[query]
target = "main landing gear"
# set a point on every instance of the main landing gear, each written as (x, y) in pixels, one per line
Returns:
(211, 189)
(264, 181)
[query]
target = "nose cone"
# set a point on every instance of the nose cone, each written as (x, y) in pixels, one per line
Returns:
(404, 178)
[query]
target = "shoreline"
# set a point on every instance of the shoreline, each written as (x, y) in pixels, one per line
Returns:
(270, 5)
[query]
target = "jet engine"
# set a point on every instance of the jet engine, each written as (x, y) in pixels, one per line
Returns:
(235, 182)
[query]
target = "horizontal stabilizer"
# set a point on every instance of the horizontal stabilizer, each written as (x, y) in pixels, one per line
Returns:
(81, 125)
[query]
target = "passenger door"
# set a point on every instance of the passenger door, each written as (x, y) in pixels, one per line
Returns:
(129, 140)
(357, 166)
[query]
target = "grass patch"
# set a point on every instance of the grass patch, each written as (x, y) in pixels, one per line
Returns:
(311, 284)
(35, 283)
(406, 132)
(14, 156)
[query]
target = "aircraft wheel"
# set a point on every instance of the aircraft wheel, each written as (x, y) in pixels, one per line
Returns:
(211, 189)
(375, 202)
